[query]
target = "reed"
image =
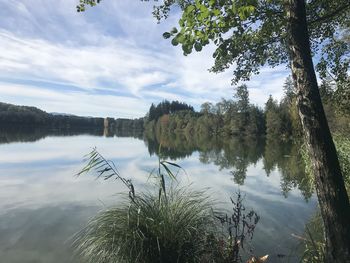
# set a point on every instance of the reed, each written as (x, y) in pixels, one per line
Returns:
(151, 229)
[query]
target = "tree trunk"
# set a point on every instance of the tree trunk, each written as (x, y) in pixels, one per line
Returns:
(329, 182)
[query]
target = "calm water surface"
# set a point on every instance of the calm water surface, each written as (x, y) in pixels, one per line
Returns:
(43, 204)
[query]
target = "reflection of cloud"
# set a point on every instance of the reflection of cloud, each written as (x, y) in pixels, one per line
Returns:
(42, 173)
(39, 175)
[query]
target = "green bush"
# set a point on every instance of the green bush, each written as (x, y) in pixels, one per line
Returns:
(167, 225)
(343, 149)
(314, 241)
(342, 145)
(150, 229)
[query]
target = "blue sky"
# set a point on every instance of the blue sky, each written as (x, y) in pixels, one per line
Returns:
(109, 61)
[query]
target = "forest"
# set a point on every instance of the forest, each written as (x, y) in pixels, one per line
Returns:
(228, 117)
(239, 117)
(26, 117)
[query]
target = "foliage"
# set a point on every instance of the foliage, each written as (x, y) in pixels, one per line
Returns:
(122, 124)
(313, 241)
(343, 149)
(342, 144)
(30, 116)
(336, 94)
(168, 225)
(166, 107)
(286, 157)
(150, 229)
(82, 3)
(273, 118)
(251, 34)
(240, 226)
(227, 117)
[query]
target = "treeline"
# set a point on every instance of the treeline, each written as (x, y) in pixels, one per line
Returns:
(166, 107)
(123, 127)
(232, 117)
(13, 115)
(229, 117)
(29, 118)
(238, 117)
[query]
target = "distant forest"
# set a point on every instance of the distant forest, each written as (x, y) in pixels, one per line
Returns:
(27, 117)
(13, 115)
(232, 117)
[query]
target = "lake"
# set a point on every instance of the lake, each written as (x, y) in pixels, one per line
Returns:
(43, 204)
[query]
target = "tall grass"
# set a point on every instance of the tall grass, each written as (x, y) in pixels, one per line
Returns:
(150, 229)
(313, 242)
(168, 225)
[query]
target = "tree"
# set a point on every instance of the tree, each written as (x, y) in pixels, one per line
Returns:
(242, 96)
(254, 33)
(207, 108)
(242, 118)
(289, 90)
(273, 118)
(152, 113)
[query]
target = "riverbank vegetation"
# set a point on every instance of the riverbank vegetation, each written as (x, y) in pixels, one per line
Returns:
(169, 224)
(238, 117)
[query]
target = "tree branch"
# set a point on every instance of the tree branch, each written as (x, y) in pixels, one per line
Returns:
(331, 15)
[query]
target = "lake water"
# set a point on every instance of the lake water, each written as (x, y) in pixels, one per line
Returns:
(43, 204)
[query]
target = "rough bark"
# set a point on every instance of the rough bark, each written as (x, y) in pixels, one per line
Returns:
(329, 182)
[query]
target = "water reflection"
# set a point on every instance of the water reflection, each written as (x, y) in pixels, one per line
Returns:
(237, 153)
(234, 154)
(32, 134)
(37, 177)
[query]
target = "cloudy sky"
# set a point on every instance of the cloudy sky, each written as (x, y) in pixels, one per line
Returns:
(109, 61)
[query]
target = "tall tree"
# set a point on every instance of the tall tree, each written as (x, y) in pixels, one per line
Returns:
(273, 119)
(242, 116)
(242, 96)
(253, 33)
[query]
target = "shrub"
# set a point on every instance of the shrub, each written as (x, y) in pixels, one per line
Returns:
(150, 229)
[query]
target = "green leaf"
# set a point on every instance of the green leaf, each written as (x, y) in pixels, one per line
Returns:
(198, 46)
(166, 35)
(216, 12)
(171, 175)
(175, 41)
(174, 30)
(189, 9)
(173, 164)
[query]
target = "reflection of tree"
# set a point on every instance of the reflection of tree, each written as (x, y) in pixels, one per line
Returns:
(239, 175)
(285, 156)
(230, 153)
(172, 146)
(17, 133)
(234, 154)
(32, 134)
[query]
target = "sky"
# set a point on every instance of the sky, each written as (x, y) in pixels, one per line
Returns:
(108, 61)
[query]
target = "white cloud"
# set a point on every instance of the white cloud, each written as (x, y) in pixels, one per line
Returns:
(78, 103)
(115, 47)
